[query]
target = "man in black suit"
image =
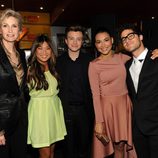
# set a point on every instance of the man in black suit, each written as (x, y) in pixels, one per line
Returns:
(142, 82)
(75, 94)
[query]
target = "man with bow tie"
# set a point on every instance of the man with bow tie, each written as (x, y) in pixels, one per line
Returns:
(142, 82)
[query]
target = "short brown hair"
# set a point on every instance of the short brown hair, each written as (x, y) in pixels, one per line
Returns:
(74, 28)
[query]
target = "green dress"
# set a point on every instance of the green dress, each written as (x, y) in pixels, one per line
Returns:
(45, 115)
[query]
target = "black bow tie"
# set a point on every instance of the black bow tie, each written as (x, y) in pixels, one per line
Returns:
(141, 60)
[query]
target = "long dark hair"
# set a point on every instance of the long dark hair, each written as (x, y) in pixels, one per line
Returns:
(36, 77)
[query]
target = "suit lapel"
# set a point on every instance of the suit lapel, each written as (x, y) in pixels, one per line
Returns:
(144, 69)
(7, 66)
(5, 61)
(129, 78)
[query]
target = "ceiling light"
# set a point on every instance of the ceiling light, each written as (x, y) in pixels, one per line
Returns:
(41, 8)
(2, 5)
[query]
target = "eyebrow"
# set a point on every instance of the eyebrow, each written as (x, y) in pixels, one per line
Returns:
(128, 35)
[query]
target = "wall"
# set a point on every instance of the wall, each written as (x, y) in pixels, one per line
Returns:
(150, 32)
(34, 24)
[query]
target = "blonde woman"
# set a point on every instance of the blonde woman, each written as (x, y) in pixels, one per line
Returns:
(13, 109)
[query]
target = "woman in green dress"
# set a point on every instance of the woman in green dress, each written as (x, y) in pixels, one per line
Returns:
(45, 113)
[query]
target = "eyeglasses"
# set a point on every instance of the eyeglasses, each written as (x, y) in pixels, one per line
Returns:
(130, 36)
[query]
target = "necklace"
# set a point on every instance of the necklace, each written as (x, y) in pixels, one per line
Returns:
(15, 62)
(12, 56)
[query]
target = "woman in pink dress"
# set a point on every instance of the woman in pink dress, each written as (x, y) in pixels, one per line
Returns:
(112, 105)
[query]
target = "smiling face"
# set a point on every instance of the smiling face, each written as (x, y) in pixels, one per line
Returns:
(43, 53)
(103, 43)
(74, 40)
(9, 29)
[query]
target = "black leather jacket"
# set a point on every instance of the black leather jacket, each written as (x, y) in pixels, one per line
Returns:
(12, 100)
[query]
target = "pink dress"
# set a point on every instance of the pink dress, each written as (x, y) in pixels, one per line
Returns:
(112, 104)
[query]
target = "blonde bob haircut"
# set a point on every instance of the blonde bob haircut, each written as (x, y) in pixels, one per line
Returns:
(11, 13)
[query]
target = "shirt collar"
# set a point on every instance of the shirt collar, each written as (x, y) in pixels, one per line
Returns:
(142, 55)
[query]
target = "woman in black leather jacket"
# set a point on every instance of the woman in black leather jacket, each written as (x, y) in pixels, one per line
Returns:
(13, 107)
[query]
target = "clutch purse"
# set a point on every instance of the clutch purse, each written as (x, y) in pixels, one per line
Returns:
(103, 138)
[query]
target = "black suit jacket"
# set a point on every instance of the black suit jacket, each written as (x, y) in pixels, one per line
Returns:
(145, 101)
(62, 69)
(11, 94)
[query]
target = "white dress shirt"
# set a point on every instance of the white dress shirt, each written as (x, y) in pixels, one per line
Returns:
(136, 67)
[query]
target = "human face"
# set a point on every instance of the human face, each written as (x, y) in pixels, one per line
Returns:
(74, 41)
(131, 44)
(103, 43)
(43, 53)
(10, 29)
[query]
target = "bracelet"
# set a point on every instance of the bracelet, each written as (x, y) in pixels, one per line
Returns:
(2, 132)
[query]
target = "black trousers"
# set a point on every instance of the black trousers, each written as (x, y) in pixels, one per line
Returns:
(146, 145)
(77, 143)
(16, 142)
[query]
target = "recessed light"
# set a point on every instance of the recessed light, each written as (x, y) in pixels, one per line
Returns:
(2, 5)
(41, 8)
